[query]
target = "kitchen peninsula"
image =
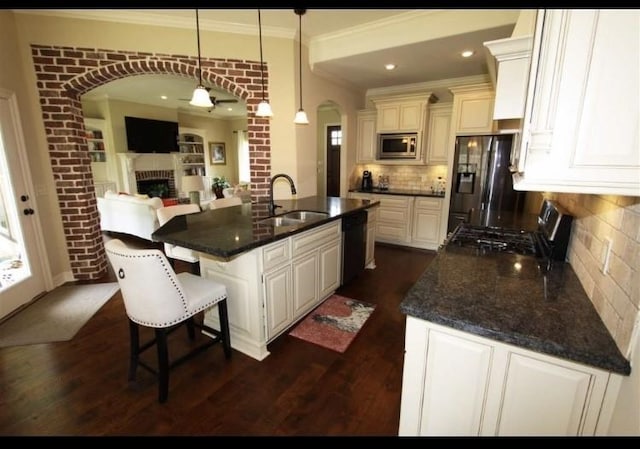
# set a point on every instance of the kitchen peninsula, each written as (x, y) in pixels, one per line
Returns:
(275, 270)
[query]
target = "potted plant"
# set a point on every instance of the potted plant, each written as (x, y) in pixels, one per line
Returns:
(217, 184)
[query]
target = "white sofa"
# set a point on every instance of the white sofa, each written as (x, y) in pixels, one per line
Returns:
(129, 214)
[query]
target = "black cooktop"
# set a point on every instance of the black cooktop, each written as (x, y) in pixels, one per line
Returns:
(486, 239)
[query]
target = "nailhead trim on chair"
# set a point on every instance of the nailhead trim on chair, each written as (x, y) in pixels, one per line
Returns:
(171, 274)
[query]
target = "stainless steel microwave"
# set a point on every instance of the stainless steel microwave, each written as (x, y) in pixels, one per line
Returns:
(397, 146)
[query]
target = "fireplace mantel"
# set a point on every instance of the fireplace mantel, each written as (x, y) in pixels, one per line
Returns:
(130, 163)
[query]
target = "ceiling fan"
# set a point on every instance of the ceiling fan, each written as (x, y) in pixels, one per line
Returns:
(214, 100)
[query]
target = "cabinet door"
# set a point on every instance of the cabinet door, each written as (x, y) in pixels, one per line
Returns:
(542, 398)
(367, 143)
(426, 226)
(277, 288)
(410, 117)
(476, 114)
(330, 269)
(305, 283)
(438, 134)
(388, 118)
(457, 372)
(402, 116)
(581, 124)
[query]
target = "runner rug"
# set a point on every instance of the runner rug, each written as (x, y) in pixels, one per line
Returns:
(57, 316)
(335, 323)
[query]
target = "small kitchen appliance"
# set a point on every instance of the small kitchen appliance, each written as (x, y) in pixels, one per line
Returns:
(367, 180)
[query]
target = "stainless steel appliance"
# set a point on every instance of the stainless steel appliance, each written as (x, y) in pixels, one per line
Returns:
(397, 146)
(549, 242)
(482, 184)
(367, 180)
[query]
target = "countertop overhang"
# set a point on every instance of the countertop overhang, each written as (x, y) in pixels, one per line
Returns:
(230, 231)
(510, 298)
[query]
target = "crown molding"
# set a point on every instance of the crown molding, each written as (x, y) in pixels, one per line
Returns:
(141, 17)
(428, 86)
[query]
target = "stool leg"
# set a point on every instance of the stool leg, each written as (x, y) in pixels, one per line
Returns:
(163, 365)
(195, 268)
(134, 350)
(191, 330)
(224, 327)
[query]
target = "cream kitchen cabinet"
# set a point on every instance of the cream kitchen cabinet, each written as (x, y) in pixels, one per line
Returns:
(273, 286)
(401, 113)
(367, 143)
(427, 215)
(473, 109)
(394, 218)
(372, 220)
(456, 383)
(438, 134)
(580, 130)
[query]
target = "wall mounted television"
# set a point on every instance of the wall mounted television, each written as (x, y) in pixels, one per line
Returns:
(151, 136)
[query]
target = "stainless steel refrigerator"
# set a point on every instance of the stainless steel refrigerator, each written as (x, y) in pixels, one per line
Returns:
(482, 186)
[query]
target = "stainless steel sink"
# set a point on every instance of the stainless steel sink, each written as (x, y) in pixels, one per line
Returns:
(294, 218)
(305, 215)
(281, 221)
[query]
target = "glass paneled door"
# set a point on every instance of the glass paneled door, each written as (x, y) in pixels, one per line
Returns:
(21, 279)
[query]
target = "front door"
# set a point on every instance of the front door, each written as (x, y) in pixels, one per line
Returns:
(21, 265)
(334, 140)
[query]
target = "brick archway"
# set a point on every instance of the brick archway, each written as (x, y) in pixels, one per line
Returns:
(65, 73)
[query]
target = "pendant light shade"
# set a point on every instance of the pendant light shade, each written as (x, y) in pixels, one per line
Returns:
(200, 96)
(264, 108)
(301, 116)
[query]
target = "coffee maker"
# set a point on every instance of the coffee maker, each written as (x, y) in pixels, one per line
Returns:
(367, 180)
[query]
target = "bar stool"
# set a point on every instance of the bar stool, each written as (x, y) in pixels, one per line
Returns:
(156, 297)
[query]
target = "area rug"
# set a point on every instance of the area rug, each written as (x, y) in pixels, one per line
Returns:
(57, 316)
(335, 323)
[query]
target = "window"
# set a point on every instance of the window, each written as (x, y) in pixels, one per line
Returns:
(336, 137)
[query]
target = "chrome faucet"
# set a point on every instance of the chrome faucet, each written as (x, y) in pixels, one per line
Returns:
(272, 206)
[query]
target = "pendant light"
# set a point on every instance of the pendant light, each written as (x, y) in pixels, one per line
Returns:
(301, 116)
(264, 108)
(200, 96)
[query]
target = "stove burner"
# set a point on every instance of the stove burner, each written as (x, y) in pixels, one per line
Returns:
(495, 239)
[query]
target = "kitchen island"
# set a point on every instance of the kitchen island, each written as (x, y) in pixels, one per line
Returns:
(275, 271)
(497, 345)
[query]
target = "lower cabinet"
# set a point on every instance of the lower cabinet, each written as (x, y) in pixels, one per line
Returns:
(403, 220)
(427, 213)
(455, 383)
(271, 287)
(372, 221)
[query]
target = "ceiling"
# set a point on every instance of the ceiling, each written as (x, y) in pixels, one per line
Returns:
(378, 35)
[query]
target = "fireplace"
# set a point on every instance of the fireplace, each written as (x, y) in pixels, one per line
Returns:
(154, 188)
(156, 183)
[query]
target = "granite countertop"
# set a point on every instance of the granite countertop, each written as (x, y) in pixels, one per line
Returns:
(229, 231)
(509, 298)
(408, 192)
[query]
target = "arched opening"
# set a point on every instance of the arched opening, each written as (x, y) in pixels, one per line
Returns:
(66, 73)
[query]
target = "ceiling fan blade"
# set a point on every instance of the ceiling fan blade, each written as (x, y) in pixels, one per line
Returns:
(225, 101)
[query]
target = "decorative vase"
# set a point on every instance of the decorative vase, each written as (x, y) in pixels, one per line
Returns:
(218, 192)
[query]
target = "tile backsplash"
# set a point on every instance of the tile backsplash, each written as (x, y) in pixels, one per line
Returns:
(616, 295)
(403, 177)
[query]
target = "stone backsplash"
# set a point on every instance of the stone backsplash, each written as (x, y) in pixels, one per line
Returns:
(401, 177)
(616, 295)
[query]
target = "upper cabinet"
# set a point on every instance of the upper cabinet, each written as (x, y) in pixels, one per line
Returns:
(513, 56)
(401, 113)
(367, 144)
(473, 109)
(438, 131)
(580, 128)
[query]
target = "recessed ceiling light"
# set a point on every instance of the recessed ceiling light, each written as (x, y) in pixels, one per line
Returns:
(164, 97)
(389, 66)
(229, 109)
(467, 53)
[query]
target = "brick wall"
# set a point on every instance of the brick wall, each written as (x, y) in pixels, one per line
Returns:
(65, 73)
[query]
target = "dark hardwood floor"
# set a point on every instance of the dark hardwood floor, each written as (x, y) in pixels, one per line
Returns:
(80, 387)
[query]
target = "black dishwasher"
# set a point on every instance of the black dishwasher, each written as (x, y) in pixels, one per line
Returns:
(354, 242)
